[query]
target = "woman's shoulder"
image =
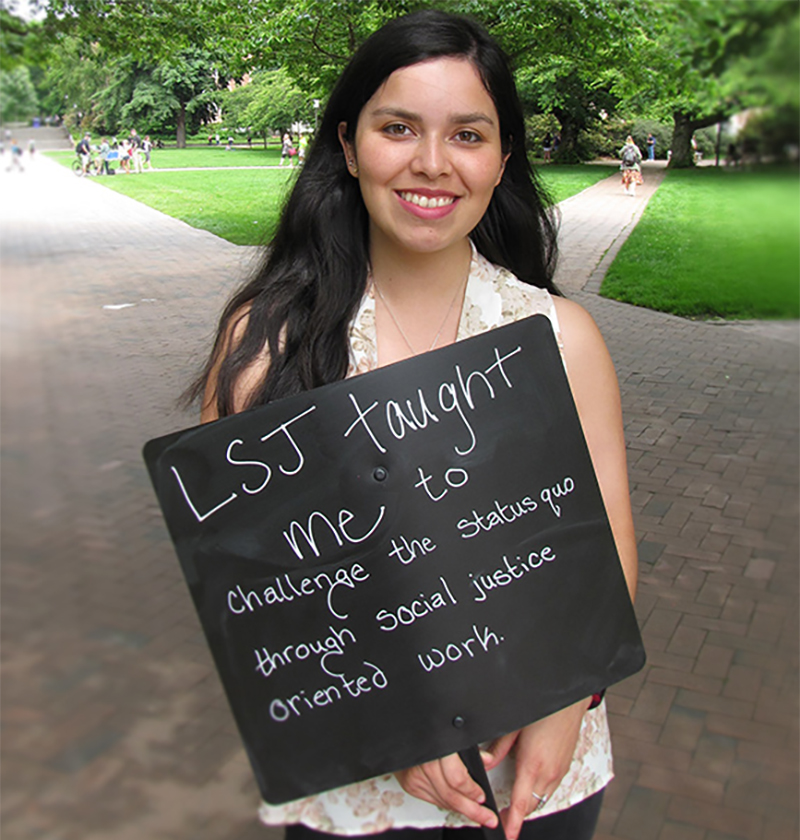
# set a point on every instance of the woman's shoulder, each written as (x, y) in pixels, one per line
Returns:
(248, 380)
(582, 342)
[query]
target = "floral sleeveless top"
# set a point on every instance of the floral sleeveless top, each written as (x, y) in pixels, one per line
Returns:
(494, 297)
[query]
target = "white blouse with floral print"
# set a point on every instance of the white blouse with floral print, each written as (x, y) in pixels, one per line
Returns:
(494, 297)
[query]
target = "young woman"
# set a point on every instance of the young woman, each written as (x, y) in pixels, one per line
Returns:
(631, 158)
(415, 222)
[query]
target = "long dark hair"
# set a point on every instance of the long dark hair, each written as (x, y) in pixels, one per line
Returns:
(303, 296)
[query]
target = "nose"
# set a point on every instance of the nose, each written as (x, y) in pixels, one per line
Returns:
(431, 157)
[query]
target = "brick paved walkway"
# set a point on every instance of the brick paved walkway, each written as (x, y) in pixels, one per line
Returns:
(114, 724)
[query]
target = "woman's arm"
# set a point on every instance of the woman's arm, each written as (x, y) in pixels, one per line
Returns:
(247, 382)
(544, 750)
(594, 386)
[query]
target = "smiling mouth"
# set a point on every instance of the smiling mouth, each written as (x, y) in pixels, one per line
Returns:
(425, 201)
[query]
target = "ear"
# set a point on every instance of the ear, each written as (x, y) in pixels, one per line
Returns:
(349, 150)
(502, 168)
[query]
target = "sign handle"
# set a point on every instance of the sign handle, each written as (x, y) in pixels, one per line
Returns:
(474, 764)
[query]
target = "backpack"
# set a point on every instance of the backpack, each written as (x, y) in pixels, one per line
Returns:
(629, 156)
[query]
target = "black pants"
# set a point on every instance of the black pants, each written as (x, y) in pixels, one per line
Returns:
(576, 823)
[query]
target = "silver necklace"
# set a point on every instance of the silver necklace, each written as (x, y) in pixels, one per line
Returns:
(400, 329)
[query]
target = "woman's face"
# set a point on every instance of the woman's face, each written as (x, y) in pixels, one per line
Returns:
(428, 154)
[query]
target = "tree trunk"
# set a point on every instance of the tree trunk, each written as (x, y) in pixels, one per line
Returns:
(682, 131)
(180, 135)
(568, 151)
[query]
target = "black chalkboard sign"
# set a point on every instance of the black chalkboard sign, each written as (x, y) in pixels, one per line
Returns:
(398, 566)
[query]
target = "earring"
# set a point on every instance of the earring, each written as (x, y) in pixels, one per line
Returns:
(353, 166)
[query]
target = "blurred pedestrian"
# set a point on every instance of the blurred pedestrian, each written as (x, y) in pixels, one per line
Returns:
(302, 145)
(651, 147)
(147, 148)
(547, 146)
(84, 151)
(135, 156)
(16, 157)
(105, 150)
(630, 166)
(125, 157)
(287, 149)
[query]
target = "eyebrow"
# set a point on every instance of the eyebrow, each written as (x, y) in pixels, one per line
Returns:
(401, 113)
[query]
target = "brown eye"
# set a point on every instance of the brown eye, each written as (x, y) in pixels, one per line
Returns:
(467, 136)
(397, 129)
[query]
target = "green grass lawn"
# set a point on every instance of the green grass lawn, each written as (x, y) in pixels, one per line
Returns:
(242, 206)
(561, 182)
(715, 243)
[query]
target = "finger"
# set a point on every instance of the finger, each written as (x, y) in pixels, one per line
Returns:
(479, 814)
(441, 793)
(498, 750)
(522, 804)
(456, 775)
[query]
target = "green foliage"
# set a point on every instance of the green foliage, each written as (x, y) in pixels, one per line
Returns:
(100, 93)
(18, 100)
(584, 61)
(148, 31)
(271, 102)
(707, 60)
(13, 31)
(772, 133)
(715, 243)
(70, 82)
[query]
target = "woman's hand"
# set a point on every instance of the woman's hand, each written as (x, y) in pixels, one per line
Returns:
(446, 783)
(544, 752)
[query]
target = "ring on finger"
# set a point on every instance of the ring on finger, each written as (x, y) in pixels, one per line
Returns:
(541, 800)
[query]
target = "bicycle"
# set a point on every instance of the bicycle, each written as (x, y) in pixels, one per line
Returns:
(94, 167)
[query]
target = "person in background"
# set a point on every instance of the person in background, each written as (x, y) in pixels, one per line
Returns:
(125, 156)
(84, 151)
(105, 149)
(547, 147)
(416, 222)
(147, 148)
(287, 148)
(302, 147)
(15, 163)
(651, 147)
(134, 150)
(630, 166)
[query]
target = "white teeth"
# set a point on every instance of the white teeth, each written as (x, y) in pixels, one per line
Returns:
(424, 201)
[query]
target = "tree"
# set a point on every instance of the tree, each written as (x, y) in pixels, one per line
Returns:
(178, 87)
(571, 55)
(18, 100)
(270, 102)
(12, 38)
(707, 61)
(97, 92)
(71, 80)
